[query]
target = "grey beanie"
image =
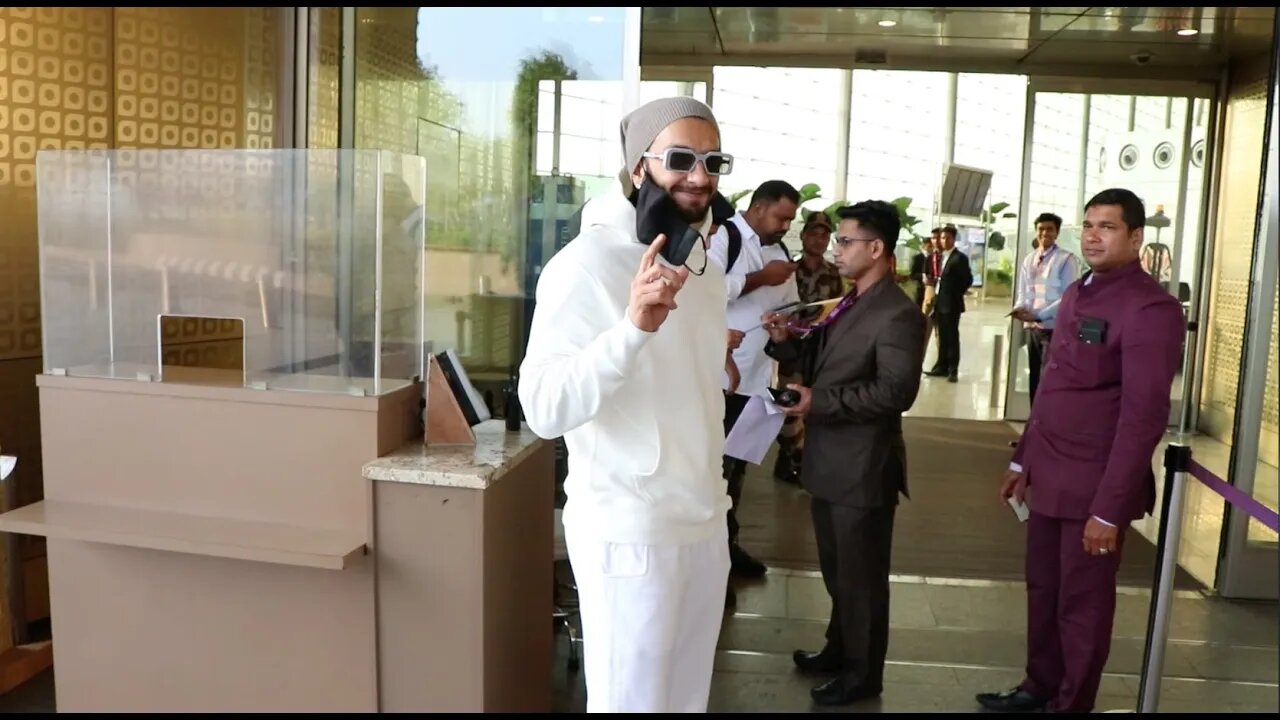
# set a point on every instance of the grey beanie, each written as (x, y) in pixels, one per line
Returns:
(643, 125)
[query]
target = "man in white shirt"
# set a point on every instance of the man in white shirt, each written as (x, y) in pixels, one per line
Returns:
(760, 278)
(626, 358)
(1045, 275)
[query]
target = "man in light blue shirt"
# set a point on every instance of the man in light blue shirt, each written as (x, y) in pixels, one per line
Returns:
(1045, 275)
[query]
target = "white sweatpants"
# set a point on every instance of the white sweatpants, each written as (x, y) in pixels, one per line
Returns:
(650, 621)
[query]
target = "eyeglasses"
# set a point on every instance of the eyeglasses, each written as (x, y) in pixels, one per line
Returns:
(845, 242)
(685, 160)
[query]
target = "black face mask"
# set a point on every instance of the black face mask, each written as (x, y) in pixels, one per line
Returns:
(657, 214)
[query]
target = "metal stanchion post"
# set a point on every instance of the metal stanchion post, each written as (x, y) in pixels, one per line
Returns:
(997, 352)
(1177, 461)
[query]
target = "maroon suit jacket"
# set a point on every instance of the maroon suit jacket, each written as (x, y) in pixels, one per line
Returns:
(1101, 408)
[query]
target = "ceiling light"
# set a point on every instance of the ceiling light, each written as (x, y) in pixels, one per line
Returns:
(1188, 32)
(888, 23)
(596, 19)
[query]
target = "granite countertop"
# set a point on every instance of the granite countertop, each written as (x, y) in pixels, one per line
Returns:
(465, 466)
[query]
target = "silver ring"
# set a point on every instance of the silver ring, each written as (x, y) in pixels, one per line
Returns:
(1103, 551)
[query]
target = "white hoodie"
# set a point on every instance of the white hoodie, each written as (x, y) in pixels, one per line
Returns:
(642, 414)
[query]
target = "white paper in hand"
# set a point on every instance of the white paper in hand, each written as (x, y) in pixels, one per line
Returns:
(1019, 508)
(756, 429)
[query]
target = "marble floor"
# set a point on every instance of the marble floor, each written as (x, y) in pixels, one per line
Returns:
(952, 639)
(970, 397)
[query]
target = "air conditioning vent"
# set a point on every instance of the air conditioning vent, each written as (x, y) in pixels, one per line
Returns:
(1128, 157)
(1197, 154)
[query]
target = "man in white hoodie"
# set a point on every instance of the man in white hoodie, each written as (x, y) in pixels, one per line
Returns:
(625, 359)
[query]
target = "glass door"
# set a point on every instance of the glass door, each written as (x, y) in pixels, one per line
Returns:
(1080, 143)
(1249, 548)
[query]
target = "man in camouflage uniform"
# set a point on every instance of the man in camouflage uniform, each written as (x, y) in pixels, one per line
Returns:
(816, 279)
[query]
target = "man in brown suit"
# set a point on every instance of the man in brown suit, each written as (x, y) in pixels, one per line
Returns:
(1084, 460)
(861, 366)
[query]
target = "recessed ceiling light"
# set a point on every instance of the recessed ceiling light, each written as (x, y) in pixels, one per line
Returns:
(1188, 32)
(888, 23)
(596, 19)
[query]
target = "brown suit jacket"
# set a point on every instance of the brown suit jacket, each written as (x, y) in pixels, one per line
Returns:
(864, 370)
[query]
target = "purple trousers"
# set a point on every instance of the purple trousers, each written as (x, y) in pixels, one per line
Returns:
(1071, 606)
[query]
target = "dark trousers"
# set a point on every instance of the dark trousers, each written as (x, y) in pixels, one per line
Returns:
(948, 326)
(1037, 348)
(853, 551)
(1071, 605)
(735, 470)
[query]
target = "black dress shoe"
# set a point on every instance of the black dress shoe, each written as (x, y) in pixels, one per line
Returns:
(936, 373)
(1015, 700)
(839, 691)
(743, 565)
(825, 661)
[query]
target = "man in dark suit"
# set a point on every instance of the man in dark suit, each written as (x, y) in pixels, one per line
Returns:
(1084, 459)
(954, 281)
(861, 366)
(919, 266)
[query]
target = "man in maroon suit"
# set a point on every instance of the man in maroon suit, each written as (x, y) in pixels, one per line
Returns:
(1084, 459)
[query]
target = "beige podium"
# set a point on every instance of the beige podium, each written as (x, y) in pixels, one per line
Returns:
(232, 550)
(240, 509)
(464, 546)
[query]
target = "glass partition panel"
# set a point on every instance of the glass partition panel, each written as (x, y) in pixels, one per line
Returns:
(318, 252)
(517, 137)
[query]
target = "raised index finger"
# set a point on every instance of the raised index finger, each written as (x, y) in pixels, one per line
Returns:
(646, 261)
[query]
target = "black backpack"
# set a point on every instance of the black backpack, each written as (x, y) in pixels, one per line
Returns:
(735, 244)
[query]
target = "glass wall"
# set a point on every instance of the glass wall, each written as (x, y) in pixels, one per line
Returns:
(516, 114)
(989, 131)
(1084, 143)
(897, 138)
(786, 123)
(1242, 150)
(654, 89)
(1249, 567)
(1266, 479)
(780, 124)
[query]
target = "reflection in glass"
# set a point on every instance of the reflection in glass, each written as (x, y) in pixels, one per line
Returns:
(516, 114)
(1134, 142)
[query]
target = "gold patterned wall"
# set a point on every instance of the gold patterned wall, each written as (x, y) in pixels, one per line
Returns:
(196, 77)
(55, 92)
(389, 79)
(324, 74)
(1246, 111)
(97, 78)
(1268, 442)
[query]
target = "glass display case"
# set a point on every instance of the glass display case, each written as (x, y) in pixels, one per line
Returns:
(271, 269)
